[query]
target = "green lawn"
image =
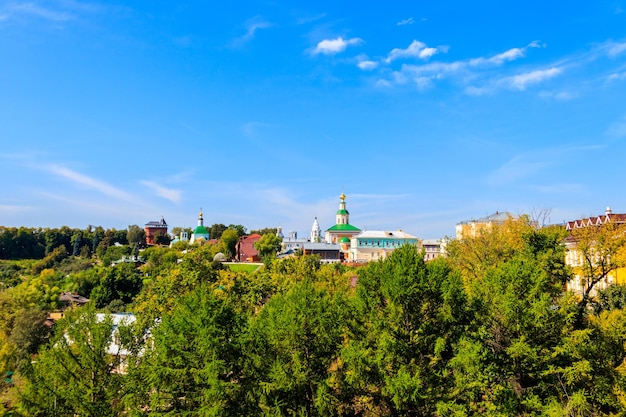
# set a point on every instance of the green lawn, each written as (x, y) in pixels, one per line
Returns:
(244, 267)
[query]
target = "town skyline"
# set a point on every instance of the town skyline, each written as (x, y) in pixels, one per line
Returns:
(263, 114)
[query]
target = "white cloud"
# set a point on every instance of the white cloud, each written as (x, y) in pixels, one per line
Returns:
(367, 65)
(8, 208)
(618, 129)
(408, 21)
(618, 76)
(521, 81)
(252, 25)
(32, 9)
(416, 49)
(89, 182)
(251, 129)
(518, 167)
(333, 46)
(166, 193)
(506, 56)
(615, 49)
(465, 71)
(557, 95)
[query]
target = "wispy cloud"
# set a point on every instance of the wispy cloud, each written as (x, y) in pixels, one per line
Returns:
(408, 21)
(520, 166)
(506, 56)
(302, 20)
(91, 183)
(251, 25)
(334, 46)
(618, 129)
(533, 162)
(9, 208)
(163, 192)
(557, 95)
(251, 129)
(416, 49)
(55, 11)
(36, 10)
(365, 63)
(477, 71)
(617, 76)
(522, 81)
(614, 49)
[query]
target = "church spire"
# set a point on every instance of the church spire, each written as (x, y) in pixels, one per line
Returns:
(343, 216)
(200, 219)
(316, 232)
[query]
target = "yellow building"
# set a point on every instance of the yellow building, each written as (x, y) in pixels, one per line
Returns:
(472, 228)
(575, 259)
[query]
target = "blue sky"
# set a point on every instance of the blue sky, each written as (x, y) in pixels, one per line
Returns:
(262, 112)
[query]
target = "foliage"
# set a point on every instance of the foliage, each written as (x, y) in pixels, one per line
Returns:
(51, 259)
(408, 317)
(293, 342)
(610, 298)
(136, 236)
(193, 365)
(600, 250)
(264, 231)
(122, 282)
(268, 246)
(74, 375)
(489, 330)
(230, 237)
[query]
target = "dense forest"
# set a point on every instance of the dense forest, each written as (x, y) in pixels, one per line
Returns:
(487, 330)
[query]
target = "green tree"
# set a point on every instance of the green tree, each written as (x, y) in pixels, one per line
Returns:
(408, 317)
(136, 236)
(293, 345)
(216, 230)
(74, 374)
(230, 237)
(264, 231)
(503, 363)
(600, 250)
(241, 230)
(122, 282)
(268, 246)
(193, 365)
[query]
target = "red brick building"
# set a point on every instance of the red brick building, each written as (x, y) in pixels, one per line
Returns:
(154, 229)
(245, 251)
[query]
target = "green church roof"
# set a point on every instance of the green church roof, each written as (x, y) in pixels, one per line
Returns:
(200, 230)
(344, 228)
(342, 211)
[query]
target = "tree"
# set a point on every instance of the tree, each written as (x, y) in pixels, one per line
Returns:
(122, 282)
(193, 364)
(136, 236)
(597, 252)
(408, 317)
(294, 344)
(506, 361)
(230, 237)
(264, 231)
(216, 230)
(241, 230)
(268, 246)
(74, 374)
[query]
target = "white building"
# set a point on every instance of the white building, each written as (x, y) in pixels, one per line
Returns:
(373, 245)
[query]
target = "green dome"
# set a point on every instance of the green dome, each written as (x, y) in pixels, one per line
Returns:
(344, 240)
(200, 230)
